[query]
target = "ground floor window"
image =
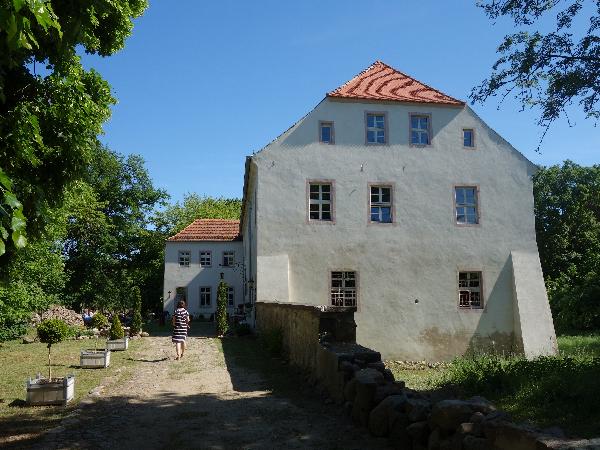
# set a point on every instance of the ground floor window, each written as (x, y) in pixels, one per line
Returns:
(343, 288)
(230, 296)
(469, 290)
(205, 296)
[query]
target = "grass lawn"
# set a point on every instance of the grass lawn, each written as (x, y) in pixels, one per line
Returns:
(20, 361)
(562, 390)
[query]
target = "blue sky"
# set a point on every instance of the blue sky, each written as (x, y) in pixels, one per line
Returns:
(201, 85)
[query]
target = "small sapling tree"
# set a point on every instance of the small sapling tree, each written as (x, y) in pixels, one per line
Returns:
(221, 316)
(99, 321)
(116, 329)
(136, 322)
(52, 331)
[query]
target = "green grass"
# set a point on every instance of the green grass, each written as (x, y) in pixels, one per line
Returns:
(21, 361)
(559, 391)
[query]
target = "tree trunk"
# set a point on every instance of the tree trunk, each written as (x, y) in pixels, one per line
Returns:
(49, 366)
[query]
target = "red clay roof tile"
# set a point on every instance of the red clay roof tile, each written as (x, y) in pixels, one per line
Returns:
(382, 82)
(209, 230)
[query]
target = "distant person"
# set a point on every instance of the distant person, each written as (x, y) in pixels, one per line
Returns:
(180, 322)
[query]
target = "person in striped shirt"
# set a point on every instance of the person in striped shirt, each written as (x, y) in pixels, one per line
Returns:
(181, 320)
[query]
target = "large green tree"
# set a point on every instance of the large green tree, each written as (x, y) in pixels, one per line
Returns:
(547, 70)
(51, 108)
(567, 209)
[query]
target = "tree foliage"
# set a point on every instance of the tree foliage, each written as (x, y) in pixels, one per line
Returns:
(567, 209)
(136, 322)
(49, 123)
(221, 315)
(116, 329)
(52, 331)
(549, 71)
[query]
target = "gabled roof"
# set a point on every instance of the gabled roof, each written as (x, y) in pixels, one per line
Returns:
(210, 230)
(382, 82)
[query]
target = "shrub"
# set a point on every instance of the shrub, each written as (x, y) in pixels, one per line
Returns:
(221, 316)
(116, 329)
(272, 340)
(99, 321)
(136, 322)
(52, 331)
(243, 329)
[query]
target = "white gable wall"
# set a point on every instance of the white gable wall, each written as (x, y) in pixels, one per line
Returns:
(407, 271)
(195, 276)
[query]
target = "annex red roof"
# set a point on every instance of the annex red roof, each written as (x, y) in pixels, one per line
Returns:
(382, 82)
(209, 230)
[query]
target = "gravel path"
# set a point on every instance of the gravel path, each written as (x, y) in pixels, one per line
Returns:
(193, 403)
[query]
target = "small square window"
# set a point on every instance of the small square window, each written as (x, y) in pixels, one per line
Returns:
(343, 288)
(228, 259)
(184, 258)
(205, 259)
(376, 128)
(420, 129)
(469, 290)
(205, 296)
(381, 204)
(466, 205)
(326, 135)
(468, 138)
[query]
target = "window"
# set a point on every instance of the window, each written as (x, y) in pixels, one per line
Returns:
(466, 205)
(469, 290)
(326, 134)
(206, 259)
(468, 137)
(230, 296)
(419, 129)
(184, 258)
(343, 288)
(319, 200)
(180, 294)
(381, 204)
(204, 296)
(228, 258)
(376, 128)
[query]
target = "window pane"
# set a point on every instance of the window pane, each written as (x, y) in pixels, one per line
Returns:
(423, 123)
(325, 196)
(374, 198)
(414, 137)
(414, 122)
(424, 138)
(380, 137)
(314, 188)
(385, 195)
(375, 214)
(370, 120)
(325, 188)
(460, 196)
(370, 136)
(314, 207)
(326, 216)
(314, 215)
(326, 207)
(386, 214)
(379, 121)
(468, 138)
(325, 133)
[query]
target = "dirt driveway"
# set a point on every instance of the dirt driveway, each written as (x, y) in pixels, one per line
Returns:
(206, 400)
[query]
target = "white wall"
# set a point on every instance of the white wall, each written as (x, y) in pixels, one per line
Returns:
(417, 257)
(195, 276)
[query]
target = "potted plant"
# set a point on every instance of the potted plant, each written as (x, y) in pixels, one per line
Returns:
(94, 359)
(99, 321)
(51, 391)
(118, 341)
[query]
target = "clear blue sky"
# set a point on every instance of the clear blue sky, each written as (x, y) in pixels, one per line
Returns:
(201, 84)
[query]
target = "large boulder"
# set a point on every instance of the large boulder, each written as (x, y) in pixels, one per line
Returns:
(350, 390)
(449, 414)
(380, 418)
(417, 409)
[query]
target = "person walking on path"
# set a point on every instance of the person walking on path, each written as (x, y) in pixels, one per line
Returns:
(181, 320)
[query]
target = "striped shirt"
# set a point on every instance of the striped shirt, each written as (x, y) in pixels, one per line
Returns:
(181, 325)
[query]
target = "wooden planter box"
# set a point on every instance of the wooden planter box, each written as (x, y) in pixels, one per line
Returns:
(94, 359)
(118, 344)
(58, 392)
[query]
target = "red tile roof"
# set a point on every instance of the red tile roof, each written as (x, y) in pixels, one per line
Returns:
(209, 230)
(382, 82)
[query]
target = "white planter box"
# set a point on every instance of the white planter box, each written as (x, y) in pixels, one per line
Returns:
(94, 359)
(59, 392)
(118, 344)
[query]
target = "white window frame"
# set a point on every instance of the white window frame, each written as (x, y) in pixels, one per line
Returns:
(227, 255)
(380, 203)
(472, 131)
(205, 291)
(184, 258)
(327, 123)
(419, 130)
(205, 255)
(320, 201)
(376, 129)
(470, 297)
(464, 205)
(230, 296)
(345, 294)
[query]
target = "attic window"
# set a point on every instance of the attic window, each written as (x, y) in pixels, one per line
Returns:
(326, 135)
(420, 129)
(468, 138)
(376, 128)
(184, 258)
